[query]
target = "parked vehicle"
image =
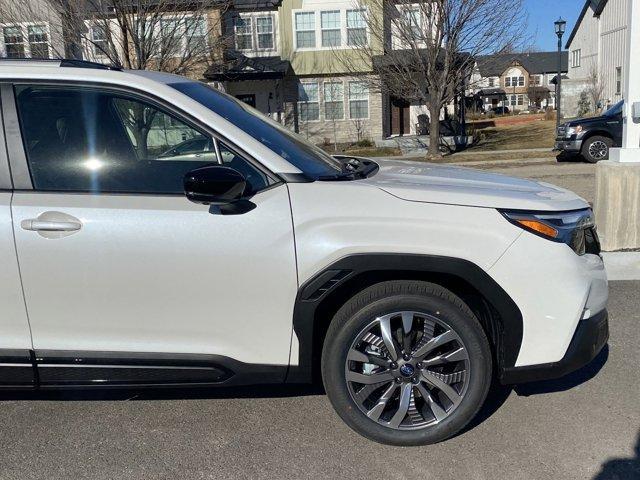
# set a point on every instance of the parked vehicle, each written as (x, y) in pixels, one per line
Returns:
(404, 287)
(592, 137)
(501, 110)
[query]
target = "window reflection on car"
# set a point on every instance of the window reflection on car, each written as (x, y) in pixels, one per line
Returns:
(200, 148)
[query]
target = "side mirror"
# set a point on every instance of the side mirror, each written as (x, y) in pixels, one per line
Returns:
(214, 185)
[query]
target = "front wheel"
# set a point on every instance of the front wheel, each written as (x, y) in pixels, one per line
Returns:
(596, 148)
(406, 363)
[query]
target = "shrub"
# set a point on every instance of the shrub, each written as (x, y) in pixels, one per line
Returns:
(550, 114)
(584, 104)
(364, 143)
(491, 114)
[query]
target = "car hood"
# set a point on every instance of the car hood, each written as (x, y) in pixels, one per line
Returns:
(434, 183)
(587, 121)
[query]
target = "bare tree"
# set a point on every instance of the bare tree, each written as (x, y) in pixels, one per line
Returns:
(175, 36)
(424, 50)
(595, 88)
(538, 94)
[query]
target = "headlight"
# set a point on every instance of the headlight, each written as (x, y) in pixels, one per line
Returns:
(573, 130)
(575, 228)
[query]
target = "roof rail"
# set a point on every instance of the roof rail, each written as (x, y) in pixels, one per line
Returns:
(86, 64)
(63, 62)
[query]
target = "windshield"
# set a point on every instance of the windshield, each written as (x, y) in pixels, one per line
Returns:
(306, 157)
(614, 110)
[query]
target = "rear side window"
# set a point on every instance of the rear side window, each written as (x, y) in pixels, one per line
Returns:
(91, 140)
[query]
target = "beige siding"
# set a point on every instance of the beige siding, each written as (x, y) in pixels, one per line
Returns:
(613, 35)
(602, 41)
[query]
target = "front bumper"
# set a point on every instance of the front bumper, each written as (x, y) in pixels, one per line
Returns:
(564, 145)
(589, 338)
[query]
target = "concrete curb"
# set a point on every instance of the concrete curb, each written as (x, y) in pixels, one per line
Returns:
(622, 265)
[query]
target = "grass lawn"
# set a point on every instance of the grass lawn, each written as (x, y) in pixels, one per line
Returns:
(538, 134)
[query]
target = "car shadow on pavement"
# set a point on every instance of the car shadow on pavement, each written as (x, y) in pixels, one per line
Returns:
(167, 393)
(567, 382)
(564, 157)
(621, 468)
(498, 393)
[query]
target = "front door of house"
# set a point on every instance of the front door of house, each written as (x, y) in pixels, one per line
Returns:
(400, 117)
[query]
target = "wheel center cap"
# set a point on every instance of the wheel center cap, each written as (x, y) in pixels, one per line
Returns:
(407, 370)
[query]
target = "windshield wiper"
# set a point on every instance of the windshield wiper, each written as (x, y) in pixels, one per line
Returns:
(352, 169)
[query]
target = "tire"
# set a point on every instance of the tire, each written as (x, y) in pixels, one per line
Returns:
(596, 148)
(356, 337)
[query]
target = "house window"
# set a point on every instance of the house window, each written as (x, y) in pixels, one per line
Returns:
(521, 81)
(172, 36)
(244, 33)
(26, 41)
(13, 41)
(507, 81)
(330, 26)
(38, 41)
(535, 80)
(196, 34)
(333, 100)
(356, 28)
(514, 100)
(492, 82)
(618, 80)
(264, 30)
(255, 31)
(358, 100)
(576, 57)
(520, 99)
(305, 29)
(99, 44)
(308, 104)
(411, 24)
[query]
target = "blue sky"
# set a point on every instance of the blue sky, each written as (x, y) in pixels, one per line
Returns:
(542, 14)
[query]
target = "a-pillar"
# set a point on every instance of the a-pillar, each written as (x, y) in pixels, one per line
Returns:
(617, 204)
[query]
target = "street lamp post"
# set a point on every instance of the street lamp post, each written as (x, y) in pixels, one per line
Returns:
(560, 25)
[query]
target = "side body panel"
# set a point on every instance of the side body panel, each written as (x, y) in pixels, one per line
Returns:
(336, 219)
(160, 274)
(14, 325)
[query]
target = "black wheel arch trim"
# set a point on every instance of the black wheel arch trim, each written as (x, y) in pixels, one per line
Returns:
(327, 281)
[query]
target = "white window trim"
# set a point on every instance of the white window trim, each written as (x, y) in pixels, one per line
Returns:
(576, 58)
(318, 29)
(319, 102)
(368, 117)
(25, 36)
(254, 31)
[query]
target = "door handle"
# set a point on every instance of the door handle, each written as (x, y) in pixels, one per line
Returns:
(36, 225)
(52, 224)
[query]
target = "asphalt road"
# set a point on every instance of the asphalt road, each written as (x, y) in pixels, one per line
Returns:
(585, 426)
(575, 175)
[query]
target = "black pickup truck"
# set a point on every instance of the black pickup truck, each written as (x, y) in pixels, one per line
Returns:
(592, 137)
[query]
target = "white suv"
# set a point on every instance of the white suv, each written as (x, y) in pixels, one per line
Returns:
(154, 231)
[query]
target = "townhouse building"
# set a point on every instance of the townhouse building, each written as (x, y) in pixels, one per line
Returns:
(34, 33)
(296, 61)
(520, 81)
(597, 48)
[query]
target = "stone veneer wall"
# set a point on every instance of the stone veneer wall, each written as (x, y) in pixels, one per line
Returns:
(324, 131)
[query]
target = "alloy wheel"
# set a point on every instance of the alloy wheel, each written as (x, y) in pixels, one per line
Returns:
(598, 150)
(407, 370)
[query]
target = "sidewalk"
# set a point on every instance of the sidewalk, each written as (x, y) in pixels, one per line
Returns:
(622, 265)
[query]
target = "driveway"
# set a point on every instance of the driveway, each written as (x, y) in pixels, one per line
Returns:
(582, 427)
